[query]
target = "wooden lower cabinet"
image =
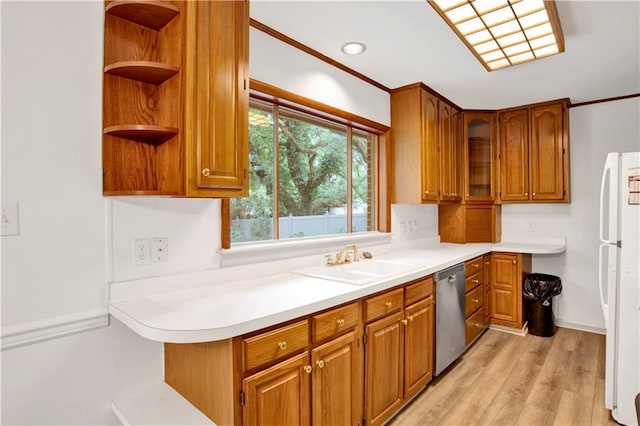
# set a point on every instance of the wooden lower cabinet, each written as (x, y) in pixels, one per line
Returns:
(336, 397)
(486, 260)
(384, 366)
(507, 272)
(279, 395)
(418, 346)
(399, 352)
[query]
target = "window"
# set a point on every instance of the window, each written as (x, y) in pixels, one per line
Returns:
(308, 176)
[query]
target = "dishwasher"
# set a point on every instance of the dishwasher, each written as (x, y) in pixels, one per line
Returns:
(450, 327)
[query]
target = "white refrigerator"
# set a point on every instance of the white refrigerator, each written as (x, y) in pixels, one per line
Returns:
(619, 281)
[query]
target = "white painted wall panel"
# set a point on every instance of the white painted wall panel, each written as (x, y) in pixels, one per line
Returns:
(286, 67)
(51, 159)
(595, 130)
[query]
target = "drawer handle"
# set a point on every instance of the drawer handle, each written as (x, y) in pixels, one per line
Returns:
(340, 322)
(475, 300)
(405, 322)
(320, 363)
(487, 262)
(475, 281)
(388, 304)
(282, 345)
(307, 369)
(475, 265)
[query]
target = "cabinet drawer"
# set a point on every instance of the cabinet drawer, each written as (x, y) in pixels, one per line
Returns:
(334, 321)
(472, 281)
(472, 266)
(418, 290)
(276, 344)
(474, 325)
(386, 303)
(473, 300)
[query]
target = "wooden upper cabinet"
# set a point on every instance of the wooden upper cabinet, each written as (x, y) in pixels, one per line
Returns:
(175, 98)
(217, 98)
(426, 139)
(448, 153)
(514, 155)
(479, 157)
(534, 153)
(549, 159)
(430, 156)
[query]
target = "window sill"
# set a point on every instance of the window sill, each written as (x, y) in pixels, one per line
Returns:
(243, 254)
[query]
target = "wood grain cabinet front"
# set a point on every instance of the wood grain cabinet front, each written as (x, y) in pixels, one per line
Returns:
(426, 147)
(474, 300)
(507, 273)
(534, 153)
(175, 98)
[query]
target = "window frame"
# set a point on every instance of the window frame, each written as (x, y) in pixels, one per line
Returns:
(264, 92)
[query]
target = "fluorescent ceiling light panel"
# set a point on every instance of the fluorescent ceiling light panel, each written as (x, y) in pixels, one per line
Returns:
(501, 33)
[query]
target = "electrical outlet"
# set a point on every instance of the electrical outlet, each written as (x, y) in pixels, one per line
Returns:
(141, 252)
(159, 249)
(531, 227)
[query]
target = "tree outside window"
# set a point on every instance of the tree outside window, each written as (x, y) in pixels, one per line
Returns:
(316, 177)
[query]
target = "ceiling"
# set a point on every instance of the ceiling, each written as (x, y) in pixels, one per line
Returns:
(407, 42)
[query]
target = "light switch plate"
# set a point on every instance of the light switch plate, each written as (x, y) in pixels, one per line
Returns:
(10, 219)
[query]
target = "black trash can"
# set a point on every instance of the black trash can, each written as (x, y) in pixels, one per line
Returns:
(538, 291)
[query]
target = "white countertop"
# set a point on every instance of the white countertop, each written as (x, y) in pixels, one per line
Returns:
(219, 305)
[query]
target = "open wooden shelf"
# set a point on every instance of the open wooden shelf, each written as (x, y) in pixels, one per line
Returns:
(142, 133)
(144, 71)
(151, 14)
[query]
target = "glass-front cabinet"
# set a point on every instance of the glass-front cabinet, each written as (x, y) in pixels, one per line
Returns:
(479, 175)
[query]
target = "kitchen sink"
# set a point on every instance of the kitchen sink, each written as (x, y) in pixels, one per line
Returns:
(359, 273)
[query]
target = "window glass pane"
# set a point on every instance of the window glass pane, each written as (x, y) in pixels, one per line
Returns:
(362, 182)
(313, 185)
(252, 217)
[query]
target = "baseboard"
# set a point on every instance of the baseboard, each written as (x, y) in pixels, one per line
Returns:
(40, 331)
(517, 331)
(581, 327)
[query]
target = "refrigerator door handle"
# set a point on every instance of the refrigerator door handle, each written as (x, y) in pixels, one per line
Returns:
(603, 304)
(606, 171)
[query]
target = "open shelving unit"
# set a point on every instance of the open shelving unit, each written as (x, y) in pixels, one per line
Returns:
(142, 112)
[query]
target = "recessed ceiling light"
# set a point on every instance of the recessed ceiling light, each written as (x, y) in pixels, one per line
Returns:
(353, 48)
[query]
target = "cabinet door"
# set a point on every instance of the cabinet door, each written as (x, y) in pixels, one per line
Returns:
(514, 155)
(547, 152)
(217, 98)
(478, 159)
(337, 382)
(430, 156)
(447, 151)
(504, 284)
(458, 154)
(384, 359)
(487, 288)
(418, 346)
(279, 395)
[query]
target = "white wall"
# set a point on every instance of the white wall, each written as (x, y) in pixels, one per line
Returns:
(595, 130)
(54, 272)
(288, 68)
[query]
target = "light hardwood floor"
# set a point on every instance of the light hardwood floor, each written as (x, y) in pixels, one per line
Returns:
(505, 379)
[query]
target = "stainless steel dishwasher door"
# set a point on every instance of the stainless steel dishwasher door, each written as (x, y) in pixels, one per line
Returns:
(450, 327)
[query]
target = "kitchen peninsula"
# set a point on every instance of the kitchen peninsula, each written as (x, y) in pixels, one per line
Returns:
(211, 307)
